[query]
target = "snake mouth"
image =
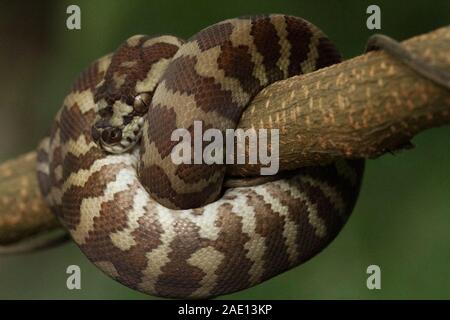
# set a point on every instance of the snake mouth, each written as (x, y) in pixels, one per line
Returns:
(117, 148)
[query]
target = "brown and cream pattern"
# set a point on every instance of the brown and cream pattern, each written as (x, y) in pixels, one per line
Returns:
(122, 208)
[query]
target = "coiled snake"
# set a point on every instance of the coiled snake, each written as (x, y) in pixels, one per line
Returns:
(120, 199)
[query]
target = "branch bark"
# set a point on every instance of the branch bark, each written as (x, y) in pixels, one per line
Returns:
(360, 108)
(23, 212)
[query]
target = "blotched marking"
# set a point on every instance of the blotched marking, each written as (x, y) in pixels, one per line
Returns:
(158, 257)
(309, 64)
(207, 222)
(331, 193)
(238, 39)
(316, 222)
(207, 66)
(123, 239)
(163, 39)
(134, 40)
(84, 100)
(289, 228)
(80, 177)
(283, 61)
(90, 208)
(153, 76)
(79, 147)
(170, 99)
(255, 246)
(128, 64)
(119, 79)
(208, 260)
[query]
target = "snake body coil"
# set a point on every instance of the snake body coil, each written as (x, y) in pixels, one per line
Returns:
(120, 205)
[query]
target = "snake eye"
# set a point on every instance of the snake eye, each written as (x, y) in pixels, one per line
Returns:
(141, 102)
(112, 135)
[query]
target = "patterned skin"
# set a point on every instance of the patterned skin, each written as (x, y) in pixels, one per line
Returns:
(125, 93)
(212, 78)
(96, 183)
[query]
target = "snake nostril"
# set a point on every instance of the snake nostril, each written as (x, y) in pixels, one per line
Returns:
(105, 112)
(101, 124)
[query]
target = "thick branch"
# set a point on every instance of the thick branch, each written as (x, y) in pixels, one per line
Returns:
(359, 108)
(23, 211)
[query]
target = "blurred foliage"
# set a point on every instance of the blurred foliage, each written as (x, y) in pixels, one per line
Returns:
(401, 221)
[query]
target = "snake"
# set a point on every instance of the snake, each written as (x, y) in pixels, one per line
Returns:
(179, 230)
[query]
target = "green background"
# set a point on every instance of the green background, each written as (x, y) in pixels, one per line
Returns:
(401, 221)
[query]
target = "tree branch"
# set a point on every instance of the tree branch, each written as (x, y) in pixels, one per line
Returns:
(362, 107)
(23, 212)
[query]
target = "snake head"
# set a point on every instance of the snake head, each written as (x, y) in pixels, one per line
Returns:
(118, 125)
(125, 91)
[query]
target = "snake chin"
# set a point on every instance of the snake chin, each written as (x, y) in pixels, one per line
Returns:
(118, 148)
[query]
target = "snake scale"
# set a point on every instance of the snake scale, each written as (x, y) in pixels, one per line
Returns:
(174, 230)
